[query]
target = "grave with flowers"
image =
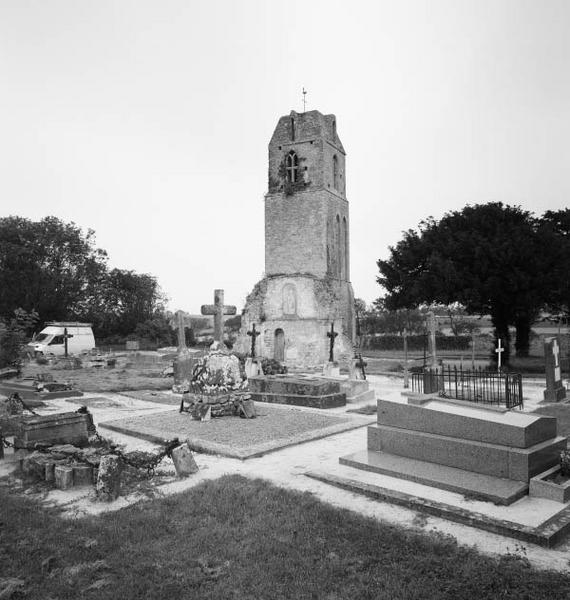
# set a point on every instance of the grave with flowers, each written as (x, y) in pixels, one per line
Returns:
(217, 388)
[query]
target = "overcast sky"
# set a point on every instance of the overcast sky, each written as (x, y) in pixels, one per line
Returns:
(148, 121)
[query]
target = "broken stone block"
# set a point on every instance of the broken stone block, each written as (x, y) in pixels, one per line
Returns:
(109, 478)
(201, 412)
(33, 465)
(247, 409)
(49, 471)
(183, 460)
(82, 475)
(63, 475)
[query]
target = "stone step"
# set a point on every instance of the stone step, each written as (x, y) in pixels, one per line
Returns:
(476, 485)
(468, 421)
(480, 457)
(368, 396)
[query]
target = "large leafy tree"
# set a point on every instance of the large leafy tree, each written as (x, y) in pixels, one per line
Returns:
(120, 300)
(555, 225)
(55, 268)
(492, 258)
(46, 266)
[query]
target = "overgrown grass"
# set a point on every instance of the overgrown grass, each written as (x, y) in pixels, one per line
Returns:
(238, 538)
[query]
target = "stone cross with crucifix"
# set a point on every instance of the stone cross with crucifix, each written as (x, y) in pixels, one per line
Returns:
(218, 310)
(253, 334)
(331, 335)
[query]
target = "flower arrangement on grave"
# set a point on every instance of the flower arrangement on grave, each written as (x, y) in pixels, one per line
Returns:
(213, 382)
(216, 386)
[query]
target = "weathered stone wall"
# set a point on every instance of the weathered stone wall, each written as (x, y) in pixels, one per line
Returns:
(295, 233)
(302, 307)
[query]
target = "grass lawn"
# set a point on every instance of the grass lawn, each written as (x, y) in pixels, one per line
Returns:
(244, 539)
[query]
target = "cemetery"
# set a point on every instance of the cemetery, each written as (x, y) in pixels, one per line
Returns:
(472, 452)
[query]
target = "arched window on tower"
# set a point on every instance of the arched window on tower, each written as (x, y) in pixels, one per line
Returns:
(335, 172)
(292, 167)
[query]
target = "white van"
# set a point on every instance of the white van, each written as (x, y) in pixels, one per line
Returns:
(51, 339)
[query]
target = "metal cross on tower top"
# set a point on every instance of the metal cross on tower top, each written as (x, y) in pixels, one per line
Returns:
(304, 99)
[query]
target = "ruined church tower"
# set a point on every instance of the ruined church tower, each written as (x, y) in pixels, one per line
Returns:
(306, 286)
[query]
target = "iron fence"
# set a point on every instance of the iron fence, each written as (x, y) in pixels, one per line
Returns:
(480, 386)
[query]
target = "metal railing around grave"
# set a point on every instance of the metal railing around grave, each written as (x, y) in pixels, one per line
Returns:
(483, 387)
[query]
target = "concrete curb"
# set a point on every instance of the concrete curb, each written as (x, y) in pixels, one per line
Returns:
(548, 534)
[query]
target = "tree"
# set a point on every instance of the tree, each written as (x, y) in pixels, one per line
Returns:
(120, 300)
(46, 266)
(491, 258)
(157, 330)
(556, 225)
(13, 337)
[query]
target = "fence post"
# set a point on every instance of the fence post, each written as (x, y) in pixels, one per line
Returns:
(406, 375)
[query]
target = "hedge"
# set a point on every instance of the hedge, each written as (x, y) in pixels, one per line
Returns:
(417, 342)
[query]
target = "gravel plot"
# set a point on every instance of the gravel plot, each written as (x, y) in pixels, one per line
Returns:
(152, 396)
(274, 428)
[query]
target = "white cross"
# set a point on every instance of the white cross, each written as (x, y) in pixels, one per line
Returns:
(499, 350)
(556, 353)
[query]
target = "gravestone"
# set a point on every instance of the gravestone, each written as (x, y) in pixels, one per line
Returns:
(460, 447)
(183, 460)
(184, 362)
(432, 348)
(555, 390)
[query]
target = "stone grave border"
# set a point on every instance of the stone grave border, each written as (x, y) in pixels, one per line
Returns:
(547, 534)
(255, 450)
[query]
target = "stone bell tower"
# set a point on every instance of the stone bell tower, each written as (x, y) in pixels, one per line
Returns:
(307, 273)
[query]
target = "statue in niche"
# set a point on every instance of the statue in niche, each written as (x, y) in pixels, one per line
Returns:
(289, 300)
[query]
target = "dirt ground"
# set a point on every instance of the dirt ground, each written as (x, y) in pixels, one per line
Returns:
(124, 376)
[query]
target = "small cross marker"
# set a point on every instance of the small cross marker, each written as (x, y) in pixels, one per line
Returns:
(331, 334)
(66, 336)
(499, 350)
(253, 333)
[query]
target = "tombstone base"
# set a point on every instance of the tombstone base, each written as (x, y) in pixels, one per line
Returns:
(556, 395)
(331, 369)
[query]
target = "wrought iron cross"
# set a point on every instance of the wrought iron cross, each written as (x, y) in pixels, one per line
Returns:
(304, 99)
(66, 336)
(331, 334)
(253, 333)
